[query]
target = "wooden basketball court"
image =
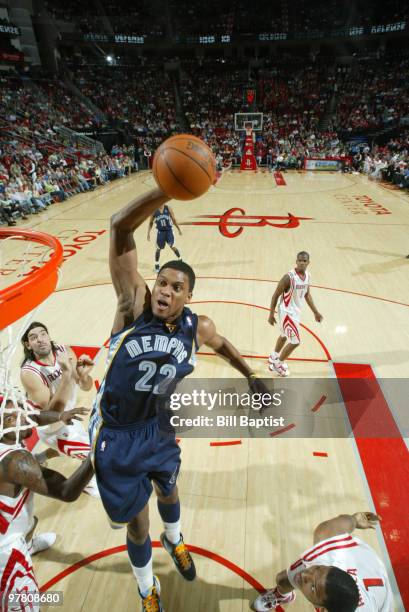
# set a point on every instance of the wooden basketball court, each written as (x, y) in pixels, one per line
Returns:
(248, 508)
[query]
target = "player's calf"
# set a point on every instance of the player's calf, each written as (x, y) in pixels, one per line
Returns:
(171, 538)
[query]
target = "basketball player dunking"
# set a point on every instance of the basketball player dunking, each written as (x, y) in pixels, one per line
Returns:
(290, 294)
(154, 340)
(165, 219)
(41, 378)
(339, 573)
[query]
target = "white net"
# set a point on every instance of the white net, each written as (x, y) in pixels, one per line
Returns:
(13, 400)
(19, 258)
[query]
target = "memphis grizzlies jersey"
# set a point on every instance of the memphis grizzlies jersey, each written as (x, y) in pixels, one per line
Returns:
(145, 361)
(163, 220)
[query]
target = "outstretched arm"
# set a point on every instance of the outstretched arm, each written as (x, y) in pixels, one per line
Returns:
(130, 288)
(282, 286)
(207, 334)
(22, 468)
(345, 523)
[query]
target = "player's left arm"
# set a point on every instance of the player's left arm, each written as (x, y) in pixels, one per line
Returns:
(175, 223)
(81, 368)
(207, 334)
(308, 298)
(345, 523)
(21, 468)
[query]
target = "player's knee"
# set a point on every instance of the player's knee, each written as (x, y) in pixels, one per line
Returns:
(138, 531)
(168, 499)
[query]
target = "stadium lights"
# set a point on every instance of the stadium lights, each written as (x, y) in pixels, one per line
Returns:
(109, 59)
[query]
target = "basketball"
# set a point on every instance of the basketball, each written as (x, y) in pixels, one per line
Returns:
(184, 167)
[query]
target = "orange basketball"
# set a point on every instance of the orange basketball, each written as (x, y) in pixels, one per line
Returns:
(184, 167)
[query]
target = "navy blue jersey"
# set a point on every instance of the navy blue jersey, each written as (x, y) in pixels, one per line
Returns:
(163, 219)
(145, 361)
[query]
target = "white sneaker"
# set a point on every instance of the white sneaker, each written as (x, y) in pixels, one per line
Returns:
(41, 542)
(273, 357)
(280, 367)
(92, 488)
(270, 599)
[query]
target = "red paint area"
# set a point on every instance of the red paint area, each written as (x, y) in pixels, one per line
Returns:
(317, 454)
(279, 179)
(385, 459)
(91, 351)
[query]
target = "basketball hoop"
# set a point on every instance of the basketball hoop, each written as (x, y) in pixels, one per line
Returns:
(28, 293)
(33, 280)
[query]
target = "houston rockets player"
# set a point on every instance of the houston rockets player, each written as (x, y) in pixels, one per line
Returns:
(41, 378)
(20, 476)
(290, 294)
(154, 340)
(339, 573)
(165, 219)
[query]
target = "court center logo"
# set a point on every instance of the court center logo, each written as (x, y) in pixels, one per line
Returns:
(236, 217)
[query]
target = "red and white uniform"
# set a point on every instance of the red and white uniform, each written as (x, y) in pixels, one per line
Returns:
(360, 561)
(71, 440)
(16, 568)
(290, 304)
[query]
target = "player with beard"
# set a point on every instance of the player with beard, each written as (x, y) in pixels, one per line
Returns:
(41, 378)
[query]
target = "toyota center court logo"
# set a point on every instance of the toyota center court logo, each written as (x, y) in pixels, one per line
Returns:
(236, 217)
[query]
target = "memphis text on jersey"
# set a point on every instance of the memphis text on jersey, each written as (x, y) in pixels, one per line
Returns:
(154, 342)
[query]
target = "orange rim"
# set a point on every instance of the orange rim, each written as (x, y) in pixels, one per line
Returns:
(18, 299)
